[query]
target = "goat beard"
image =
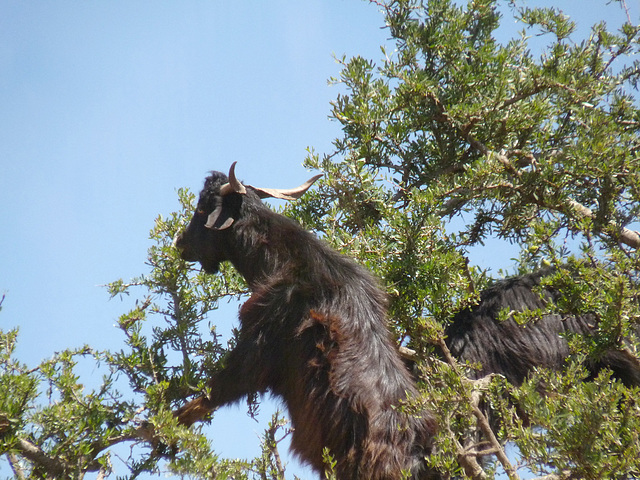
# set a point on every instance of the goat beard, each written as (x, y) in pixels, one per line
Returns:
(210, 268)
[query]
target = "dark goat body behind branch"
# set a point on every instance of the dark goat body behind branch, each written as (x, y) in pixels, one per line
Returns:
(314, 332)
(477, 335)
(514, 351)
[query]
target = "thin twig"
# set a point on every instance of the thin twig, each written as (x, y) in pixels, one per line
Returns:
(272, 444)
(481, 418)
(626, 10)
(628, 237)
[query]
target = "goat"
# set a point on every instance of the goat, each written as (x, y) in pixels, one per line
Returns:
(514, 351)
(314, 333)
(475, 335)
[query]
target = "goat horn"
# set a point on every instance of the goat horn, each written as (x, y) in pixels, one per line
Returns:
(234, 185)
(290, 194)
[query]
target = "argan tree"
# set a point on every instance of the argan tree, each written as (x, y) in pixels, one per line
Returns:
(461, 135)
(464, 136)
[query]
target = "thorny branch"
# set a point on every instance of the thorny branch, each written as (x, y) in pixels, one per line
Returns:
(33, 453)
(14, 462)
(272, 444)
(57, 467)
(467, 456)
(627, 236)
(483, 422)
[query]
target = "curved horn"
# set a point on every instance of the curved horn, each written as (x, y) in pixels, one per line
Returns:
(290, 194)
(234, 185)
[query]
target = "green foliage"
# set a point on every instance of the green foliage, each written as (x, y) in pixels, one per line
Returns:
(590, 429)
(330, 462)
(178, 355)
(17, 389)
(52, 426)
(459, 136)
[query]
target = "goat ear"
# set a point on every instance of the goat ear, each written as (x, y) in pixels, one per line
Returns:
(290, 194)
(217, 220)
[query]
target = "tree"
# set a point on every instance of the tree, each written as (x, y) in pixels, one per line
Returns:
(454, 140)
(457, 139)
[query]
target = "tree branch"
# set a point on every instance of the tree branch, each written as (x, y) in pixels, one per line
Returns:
(629, 237)
(56, 467)
(467, 457)
(14, 462)
(273, 446)
(33, 453)
(481, 418)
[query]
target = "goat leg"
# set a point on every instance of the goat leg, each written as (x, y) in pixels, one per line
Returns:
(236, 380)
(194, 411)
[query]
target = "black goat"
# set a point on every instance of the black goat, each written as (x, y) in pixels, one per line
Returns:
(314, 332)
(513, 350)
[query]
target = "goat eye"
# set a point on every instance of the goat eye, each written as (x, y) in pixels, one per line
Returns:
(201, 211)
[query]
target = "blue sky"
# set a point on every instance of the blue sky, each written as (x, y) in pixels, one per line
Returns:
(108, 107)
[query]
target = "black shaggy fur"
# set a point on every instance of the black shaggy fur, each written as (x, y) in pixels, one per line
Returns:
(513, 350)
(314, 332)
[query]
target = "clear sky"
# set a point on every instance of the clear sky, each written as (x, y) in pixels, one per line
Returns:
(106, 108)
